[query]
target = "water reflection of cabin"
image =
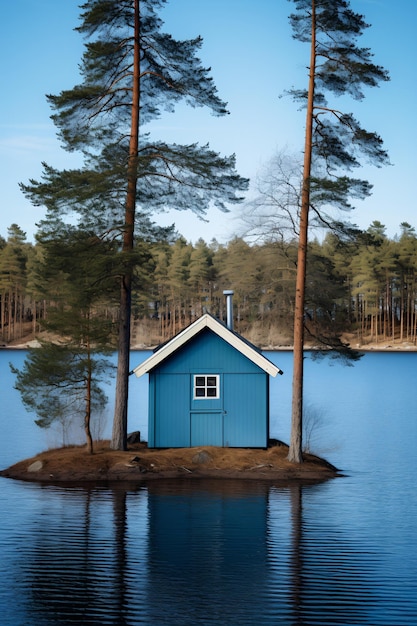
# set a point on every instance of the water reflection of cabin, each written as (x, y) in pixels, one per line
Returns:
(208, 386)
(221, 556)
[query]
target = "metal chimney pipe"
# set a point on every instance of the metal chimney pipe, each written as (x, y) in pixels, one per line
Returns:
(229, 308)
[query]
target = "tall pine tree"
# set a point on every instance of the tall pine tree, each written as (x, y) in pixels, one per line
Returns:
(131, 72)
(334, 144)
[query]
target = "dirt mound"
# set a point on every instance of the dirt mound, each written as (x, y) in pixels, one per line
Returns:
(140, 463)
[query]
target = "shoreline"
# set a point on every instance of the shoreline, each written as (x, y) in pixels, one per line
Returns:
(385, 346)
(139, 464)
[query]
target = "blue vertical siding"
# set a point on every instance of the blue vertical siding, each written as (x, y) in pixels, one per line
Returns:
(151, 411)
(208, 352)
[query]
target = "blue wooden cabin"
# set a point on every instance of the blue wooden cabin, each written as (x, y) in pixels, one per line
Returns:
(208, 386)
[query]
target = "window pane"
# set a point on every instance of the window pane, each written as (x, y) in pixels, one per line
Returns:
(206, 386)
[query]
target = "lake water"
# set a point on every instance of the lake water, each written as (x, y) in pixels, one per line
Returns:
(227, 552)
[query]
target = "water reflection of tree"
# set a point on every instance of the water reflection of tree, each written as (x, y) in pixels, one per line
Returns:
(63, 571)
(77, 563)
(329, 582)
(120, 548)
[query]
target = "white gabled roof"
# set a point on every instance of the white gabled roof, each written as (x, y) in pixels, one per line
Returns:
(206, 321)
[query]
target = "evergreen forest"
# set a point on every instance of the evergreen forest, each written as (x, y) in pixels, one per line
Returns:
(362, 289)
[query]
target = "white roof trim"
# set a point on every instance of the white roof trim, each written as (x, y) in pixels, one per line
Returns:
(206, 321)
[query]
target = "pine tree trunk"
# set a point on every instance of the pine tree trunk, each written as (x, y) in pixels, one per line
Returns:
(34, 308)
(10, 317)
(2, 315)
(119, 435)
(87, 417)
(295, 450)
(402, 311)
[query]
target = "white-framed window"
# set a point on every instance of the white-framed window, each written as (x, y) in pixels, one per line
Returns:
(206, 386)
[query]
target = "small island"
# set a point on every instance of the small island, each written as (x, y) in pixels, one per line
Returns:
(139, 463)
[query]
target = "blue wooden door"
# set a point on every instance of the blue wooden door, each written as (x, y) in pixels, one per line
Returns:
(207, 428)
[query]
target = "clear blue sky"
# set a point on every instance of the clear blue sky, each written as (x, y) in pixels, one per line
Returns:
(254, 60)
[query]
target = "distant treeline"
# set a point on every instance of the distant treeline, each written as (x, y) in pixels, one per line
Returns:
(366, 285)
